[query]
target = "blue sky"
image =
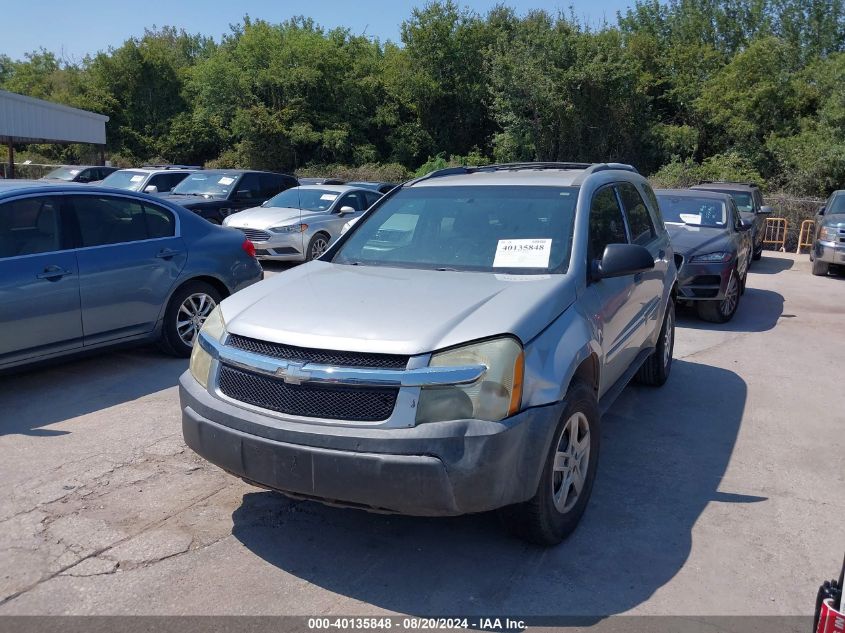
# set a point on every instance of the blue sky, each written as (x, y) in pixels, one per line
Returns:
(73, 29)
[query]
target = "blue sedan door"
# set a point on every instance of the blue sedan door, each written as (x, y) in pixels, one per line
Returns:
(39, 281)
(130, 257)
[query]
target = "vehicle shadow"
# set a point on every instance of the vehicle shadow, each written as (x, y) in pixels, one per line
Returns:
(664, 452)
(38, 396)
(759, 310)
(770, 265)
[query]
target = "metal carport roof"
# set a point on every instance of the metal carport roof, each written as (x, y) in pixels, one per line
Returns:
(28, 120)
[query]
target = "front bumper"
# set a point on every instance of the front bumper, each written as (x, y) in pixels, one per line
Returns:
(704, 282)
(830, 252)
(434, 469)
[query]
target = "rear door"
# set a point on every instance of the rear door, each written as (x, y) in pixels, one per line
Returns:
(648, 285)
(129, 258)
(610, 301)
(39, 281)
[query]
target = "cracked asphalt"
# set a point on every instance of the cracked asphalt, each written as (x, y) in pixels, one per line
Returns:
(722, 493)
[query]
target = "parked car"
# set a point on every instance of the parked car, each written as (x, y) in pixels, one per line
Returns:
(300, 223)
(714, 246)
(149, 179)
(79, 173)
(321, 181)
(749, 201)
(215, 193)
(87, 267)
(451, 353)
(381, 187)
(829, 245)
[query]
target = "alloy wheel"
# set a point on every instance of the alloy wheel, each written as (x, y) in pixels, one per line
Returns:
(571, 461)
(318, 246)
(667, 337)
(728, 304)
(192, 314)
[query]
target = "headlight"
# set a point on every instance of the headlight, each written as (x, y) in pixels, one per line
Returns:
(497, 395)
(215, 328)
(829, 233)
(721, 256)
(291, 228)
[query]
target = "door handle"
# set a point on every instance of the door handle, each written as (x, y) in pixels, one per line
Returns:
(167, 253)
(53, 272)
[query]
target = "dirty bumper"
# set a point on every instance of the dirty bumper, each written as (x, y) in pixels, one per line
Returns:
(434, 469)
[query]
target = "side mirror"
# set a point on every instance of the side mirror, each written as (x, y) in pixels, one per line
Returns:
(821, 210)
(766, 210)
(620, 260)
(345, 210)
(150, 189)
(746, 225)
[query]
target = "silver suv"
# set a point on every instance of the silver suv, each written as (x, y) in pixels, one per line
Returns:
(829, 243)
(451, 353)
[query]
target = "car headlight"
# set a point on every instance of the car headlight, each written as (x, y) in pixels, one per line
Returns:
(290, 228)
(829, 233)
(721, 256)
(497, 395)
(214, 327)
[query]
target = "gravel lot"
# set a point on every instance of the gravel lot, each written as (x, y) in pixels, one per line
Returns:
(722, 493)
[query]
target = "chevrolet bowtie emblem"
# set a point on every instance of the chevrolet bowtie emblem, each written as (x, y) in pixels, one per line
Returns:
(293, 374)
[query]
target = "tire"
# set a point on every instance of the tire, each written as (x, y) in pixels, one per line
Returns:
(724, 310)
(657, 367)
(757, 255)
(314, 250)
(820, 269)
(194, 294)
(553, 513)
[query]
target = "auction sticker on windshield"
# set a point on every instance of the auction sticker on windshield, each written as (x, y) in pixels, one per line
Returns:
(523, 253)
(225, 180)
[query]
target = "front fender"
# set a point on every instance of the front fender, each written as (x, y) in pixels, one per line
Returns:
(554, 355)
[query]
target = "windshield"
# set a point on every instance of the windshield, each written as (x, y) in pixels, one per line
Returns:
(124, 179)
(837, 205)
(64, 173)
(515, 229)
(306, 199)
(206, 184)
(693, 211)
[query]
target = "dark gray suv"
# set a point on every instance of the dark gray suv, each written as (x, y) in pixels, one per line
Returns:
(451, 353)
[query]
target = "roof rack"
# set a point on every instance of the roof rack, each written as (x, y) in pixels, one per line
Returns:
(586, 168)
(729, 182)
(171, 166)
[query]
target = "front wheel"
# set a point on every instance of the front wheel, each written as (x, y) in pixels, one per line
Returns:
(724, 310)
(655, 370)
(317, 246)
(566, 482)
(820, 269)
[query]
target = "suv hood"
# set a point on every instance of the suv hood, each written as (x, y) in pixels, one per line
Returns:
(698, 240)
(265, 217)
(394, 310)
(834, 219)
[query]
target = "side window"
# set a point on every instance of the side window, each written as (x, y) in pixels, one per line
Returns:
(639, 219)
(106, 220)
(250, 186)
(30, 226)
(160, 182)
(271, 184)
(371, 198)
(656, 216)
(160, 222)
(606, 223)
(350, 200)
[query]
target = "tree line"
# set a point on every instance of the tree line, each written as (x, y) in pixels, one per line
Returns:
(685, 90)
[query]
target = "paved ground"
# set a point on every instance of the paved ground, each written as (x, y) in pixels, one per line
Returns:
(722, 493)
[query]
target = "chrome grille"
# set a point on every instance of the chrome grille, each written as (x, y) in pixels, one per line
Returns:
(321, 356)
(254, 235)
(329, 402)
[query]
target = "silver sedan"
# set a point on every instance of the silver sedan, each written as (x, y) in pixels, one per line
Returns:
(300, 223)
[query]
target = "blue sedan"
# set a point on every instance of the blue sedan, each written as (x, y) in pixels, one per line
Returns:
(86, 267)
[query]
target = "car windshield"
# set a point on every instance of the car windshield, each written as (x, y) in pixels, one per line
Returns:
(64, 173)
(306, 199)
(693, 211)
(504, 229)
(206, 184)
(124, 179)
(837, 205)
